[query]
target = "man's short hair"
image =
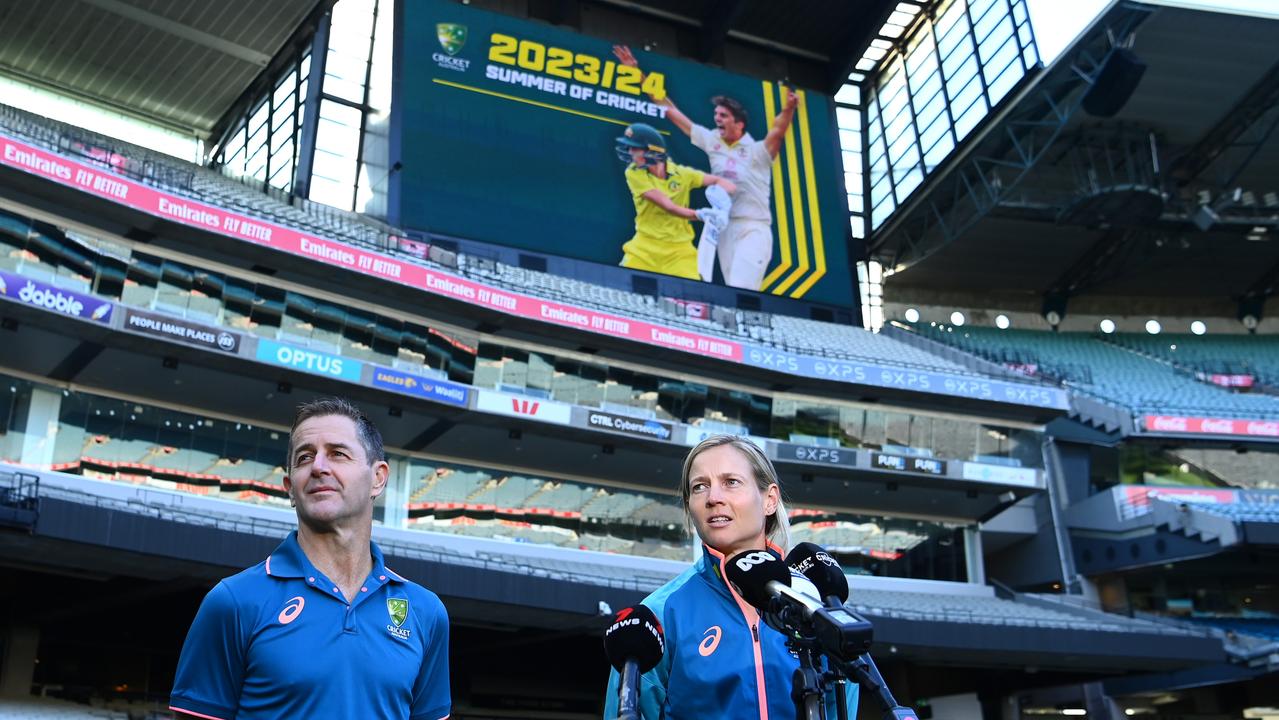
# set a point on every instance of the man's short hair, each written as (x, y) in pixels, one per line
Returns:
(370, 437)
(733, 107)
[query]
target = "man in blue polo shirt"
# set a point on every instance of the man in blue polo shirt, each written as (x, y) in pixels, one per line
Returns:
(321, 628)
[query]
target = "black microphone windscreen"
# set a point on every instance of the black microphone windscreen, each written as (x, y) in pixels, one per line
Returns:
(751, 571)
(635, 634)
(820, 568)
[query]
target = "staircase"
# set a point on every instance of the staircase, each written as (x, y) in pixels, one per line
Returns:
(1194, 523)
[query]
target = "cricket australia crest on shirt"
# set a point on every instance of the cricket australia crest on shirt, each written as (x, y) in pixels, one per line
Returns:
(398, 609)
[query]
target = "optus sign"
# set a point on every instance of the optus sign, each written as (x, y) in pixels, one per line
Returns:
(309, 361)
(54, 299)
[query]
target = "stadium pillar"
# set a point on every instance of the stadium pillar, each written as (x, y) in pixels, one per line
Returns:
(18, 664)
(1099, 705)
(1010, 708)
(396, 509)
(974, 558)
(42, 427)
(311, 105)
(1056, 493)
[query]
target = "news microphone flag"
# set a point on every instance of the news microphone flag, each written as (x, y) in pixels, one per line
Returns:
(814, 563)
(635, 634)
(634, 643)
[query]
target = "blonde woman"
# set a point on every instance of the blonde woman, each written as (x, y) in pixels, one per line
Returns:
(722, 661)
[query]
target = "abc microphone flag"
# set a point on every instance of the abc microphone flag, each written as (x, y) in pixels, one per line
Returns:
(634, 643)
(758, 576)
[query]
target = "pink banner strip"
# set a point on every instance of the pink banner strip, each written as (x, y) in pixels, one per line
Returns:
(192, 213)
(1211, 426)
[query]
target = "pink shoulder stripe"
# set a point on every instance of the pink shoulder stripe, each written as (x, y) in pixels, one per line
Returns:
(401, 578)
(194, 713)
(268, 564)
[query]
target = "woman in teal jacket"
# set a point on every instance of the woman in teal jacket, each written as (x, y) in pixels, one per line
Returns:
(722, 661)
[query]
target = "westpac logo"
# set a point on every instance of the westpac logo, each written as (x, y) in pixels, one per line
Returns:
(524, 407)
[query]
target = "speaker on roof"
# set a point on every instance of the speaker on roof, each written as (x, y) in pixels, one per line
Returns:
(1115, 83)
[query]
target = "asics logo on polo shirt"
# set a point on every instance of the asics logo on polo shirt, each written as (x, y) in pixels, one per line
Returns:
(710, 641)
(292, 610)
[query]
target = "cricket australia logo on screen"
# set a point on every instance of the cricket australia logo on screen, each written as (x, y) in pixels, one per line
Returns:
(452, 37)
(398, 609)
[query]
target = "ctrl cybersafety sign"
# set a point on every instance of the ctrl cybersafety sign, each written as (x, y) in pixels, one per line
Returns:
(54, 299)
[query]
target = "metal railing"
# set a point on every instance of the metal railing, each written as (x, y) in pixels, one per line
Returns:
(19, 499)
(429, 549)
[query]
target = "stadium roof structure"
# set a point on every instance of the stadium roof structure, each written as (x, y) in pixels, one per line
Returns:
(831, 37)
(184, 64)
(178, 63)
(1174, 196)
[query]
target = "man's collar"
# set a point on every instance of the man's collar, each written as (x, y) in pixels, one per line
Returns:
(380, 568)
(289, 561)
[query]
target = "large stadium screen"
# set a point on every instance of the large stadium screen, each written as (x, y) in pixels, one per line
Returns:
(509, 133)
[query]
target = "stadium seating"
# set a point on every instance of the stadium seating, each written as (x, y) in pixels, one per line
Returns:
(44, 708)
(449, 486)
(1088, 364)
(1256, 355)
(329, 328)
(979, 605)
(847, 537)
(1243, 511)
(881, 597)
(1247, 470)
(1263, 627)
(563, 496)
(958, 608)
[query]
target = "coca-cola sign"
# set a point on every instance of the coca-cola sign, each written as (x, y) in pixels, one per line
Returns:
(1211, 426)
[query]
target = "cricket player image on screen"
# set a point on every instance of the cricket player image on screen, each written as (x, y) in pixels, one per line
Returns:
(746, 243)
(659, 187)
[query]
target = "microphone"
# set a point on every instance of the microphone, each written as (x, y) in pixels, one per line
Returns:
(814, 563)
(634, 643)
(761, 579)
(764, 582)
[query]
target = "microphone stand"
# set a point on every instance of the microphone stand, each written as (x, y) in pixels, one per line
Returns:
(627, 697)
(808, 683)
(840, 678)
(867, 675)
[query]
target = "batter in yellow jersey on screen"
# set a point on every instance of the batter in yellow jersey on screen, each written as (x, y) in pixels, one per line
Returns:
(663, 239)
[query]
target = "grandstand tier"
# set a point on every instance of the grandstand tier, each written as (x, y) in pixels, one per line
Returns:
(108, 524)
(836, 353)
(1145, 376)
